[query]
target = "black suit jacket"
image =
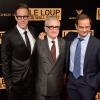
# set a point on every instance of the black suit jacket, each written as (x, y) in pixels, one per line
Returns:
(15, 57)
(91, 62)
(50, 77)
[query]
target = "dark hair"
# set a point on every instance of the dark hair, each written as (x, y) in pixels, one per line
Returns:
(82, 16)
(21, 5)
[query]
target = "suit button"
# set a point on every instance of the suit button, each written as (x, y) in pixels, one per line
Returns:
(48, 73)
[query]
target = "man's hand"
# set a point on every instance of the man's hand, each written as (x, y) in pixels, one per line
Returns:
(42, 35)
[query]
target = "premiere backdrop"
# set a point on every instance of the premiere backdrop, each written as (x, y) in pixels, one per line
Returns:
(64, 10)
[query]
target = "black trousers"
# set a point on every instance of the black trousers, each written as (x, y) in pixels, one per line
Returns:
(23, 90)
(78, 89)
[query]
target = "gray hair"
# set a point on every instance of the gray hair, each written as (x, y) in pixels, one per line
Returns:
(50, 18)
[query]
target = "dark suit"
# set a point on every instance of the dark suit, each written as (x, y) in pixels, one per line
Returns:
(50, 76)
(16, 65)
(91, 78)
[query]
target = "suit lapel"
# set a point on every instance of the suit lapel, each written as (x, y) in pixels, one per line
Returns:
(60, 47)
(90, 47)
(47, 56)
(19, 37)
(48, 53)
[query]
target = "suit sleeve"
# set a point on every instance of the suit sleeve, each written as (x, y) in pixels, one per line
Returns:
(6, 59)
(98, 75)
(34, 61)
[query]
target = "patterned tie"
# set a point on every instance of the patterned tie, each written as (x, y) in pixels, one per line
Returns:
(53, 51)
(77, 59)
(27, 42)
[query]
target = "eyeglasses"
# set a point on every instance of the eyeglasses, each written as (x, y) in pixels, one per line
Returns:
(22, 17)
(53, 27)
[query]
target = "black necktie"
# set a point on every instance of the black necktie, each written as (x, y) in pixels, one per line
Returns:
(27, 42)
(53, 51)
(77, 59)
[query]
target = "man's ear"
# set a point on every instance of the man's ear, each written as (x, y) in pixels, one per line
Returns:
(44, 28)
(15, 17)
(75, 26)
(29, 17)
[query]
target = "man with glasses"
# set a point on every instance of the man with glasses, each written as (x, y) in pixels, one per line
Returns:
(82, 61)
(17, 48)
(50, 56)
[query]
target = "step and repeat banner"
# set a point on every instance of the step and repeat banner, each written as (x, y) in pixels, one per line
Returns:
(40, 14)
(98, 14)
(64, 12)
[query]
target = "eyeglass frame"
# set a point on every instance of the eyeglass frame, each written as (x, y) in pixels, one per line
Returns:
(53, 27)
(22, 17)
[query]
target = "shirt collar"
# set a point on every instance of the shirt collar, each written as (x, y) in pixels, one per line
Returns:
(21, 30)
(49, 39)
(86, 37)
